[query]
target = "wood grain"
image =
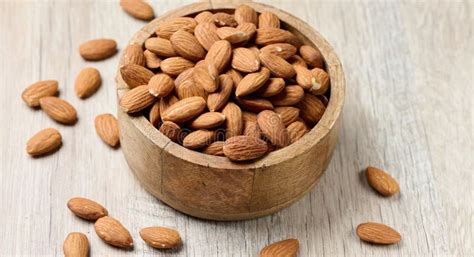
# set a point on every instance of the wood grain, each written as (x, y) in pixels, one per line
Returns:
(408, 110)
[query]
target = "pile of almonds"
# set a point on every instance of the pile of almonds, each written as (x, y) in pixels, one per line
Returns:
(226, 84)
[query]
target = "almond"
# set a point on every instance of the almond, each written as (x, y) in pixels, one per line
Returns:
(272, 87)
(59, 110)
(86, 208)
(98, 49)
(382, 182)
(160, 46)
(199, 139)
(251, 129)
(160, 85)
(297, 60)
(268, 20)
(154, 116)
(133, 53)
(218, 100)
(234, 122)
(252, 82)
(136, 99)
(183, 76)
(43, 142)
(245, 13)
(248, 28)
(189, 88)
(215, 148)
(311, 109)
(277, 65)
(204, 17)
(377, 233)
(170, 130)
(152, 61)
(169, 27)
(249, 116)
(288, 114)
(245, 60)
(282, 50)
(87, 82)
(273, 128)
(187, 45)
(244, 148)
(304, 77)
(296, 130)
(135, 75)
(291, 95)
(206, 34)
(205, 75)
(113, 232)
(34, 92)
(254, 104)
(166, 102)
(319, 81)
(208, 120)
(312, 56)
(138, 9)
(236, 77)
(267, 36)
(222, 19)
(185, 109)
(175, 65)
(231, 34)
(106, 126)
(76, 245)
(220, 54)
(285, 248)
(161, 237)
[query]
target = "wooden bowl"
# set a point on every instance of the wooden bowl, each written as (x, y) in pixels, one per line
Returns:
(212, 187)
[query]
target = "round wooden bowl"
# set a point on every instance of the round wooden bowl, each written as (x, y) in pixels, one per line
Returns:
(212, 187)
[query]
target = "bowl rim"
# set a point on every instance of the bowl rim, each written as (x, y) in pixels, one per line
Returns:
(312, 138)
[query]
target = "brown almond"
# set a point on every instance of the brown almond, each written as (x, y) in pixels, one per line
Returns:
(218, 100)
(133, 53)
(86, 208)
(235, 75)
(204, 17)
(208, 120)
(231, 34)
(254, 104)
(136, 99)
(252, 82)
(245, 13)
(304, 77)
(166, 102)
(377, 233)
(113, 232)
(34, 92)
(251, 129)
(106, 126)
(189, 88)
(296, 130)
(244, 148)
(245, 60)
(160, 85)
(288, 114)
(138, 9)
(311, 109)
(267, 36)
(222, 19)
(161, 237)
(185, 109)
(205, 75)
(220, 54)
(135, 75)
(59, 110)
(249, 29)
(152, 61)
(87, 82)
(160, 46)
(382, 182)
(233, 122)
(98, 49)
(187, 45)
(215, 148)
(283, 50)
(312, 56)
(273, 128)
(170, 130)
(206, 34)
(249, 116)
(272, 87)
(199, 139)
(297, 60)
(169, 27)
(175, 65)
(277, 65)
(268, 20)
(76, 245)
(183, 76)
(319, 81)
(285, 248)
(154, 116)
(291, 95)
(43, 142)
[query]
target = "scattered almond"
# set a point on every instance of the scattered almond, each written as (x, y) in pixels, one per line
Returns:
(86, 209)
(113, 232)
(76, 245)
(106, 126)
(377, 233)
(32, 94)
(285, 248)
(98, 49)
(382, 182)
(161, 237)
(43, 142)
(138, 9)
(87, 82)
(59, 110)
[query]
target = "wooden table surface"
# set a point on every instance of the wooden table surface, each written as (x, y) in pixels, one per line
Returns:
(409, 110)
